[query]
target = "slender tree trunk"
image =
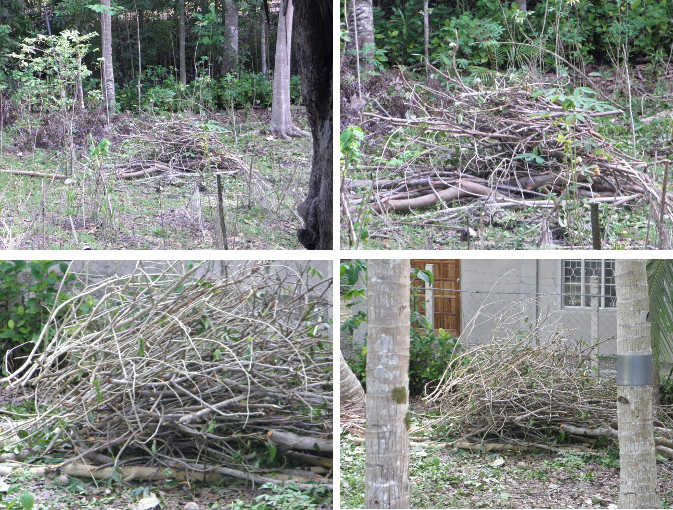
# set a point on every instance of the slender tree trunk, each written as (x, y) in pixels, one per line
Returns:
(181, 35)
(361, 31)
(521, 4)
(79, 92)
(314, 56)
(263, 46)
(351, 390)
(426, 34)
(46, 17)
(281, 115)
(387, 440)
(106, 42)
(638, 469)
(140, 59)
(230, 54)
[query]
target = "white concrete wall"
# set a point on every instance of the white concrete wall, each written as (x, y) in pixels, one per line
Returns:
(498, 300)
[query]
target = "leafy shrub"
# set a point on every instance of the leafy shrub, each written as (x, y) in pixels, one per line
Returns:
(429, 354)
(28, 291)
(287, 497)
(25, 501)
(477, 40)
(583, 30)
(295, 89)
(163, 92)
(248, 90)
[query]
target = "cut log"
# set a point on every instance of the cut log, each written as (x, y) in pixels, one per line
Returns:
(33, 174)
(583, 431)
(463, 188)
(306, 458)
(195, 473)
(296, 442)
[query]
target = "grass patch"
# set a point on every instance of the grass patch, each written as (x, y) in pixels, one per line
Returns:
(168, 210)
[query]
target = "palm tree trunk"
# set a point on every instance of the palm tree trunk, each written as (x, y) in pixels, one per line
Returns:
(638, 469)
(387, 436)
(351, 390)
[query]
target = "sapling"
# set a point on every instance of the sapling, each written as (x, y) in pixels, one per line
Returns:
(53, 66)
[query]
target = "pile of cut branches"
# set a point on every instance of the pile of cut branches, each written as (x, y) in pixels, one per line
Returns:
(519, 390)
(180, 146)
(507, 144)
(188, 370)
(522, 394)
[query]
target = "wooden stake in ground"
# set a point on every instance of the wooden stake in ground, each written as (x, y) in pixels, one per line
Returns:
(638, 469)
(387, 443)
(220, 213)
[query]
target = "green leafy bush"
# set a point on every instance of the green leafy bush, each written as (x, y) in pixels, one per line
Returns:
(579, 30)
(25, 501)
(478, 40)
(247, 90)
(163, 92)
(429, 355)
(429, 352)
(28, 291)
(288, 497)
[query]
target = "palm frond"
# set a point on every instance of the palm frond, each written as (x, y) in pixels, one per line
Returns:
(660, 283)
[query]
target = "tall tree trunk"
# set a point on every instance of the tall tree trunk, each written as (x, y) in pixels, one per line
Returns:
(387, 439)
(263, 45)
(181, 35)
(281, 115)
(351, 391)
(106, 42)
(638, 469)
(230, 54)
(361, 32)
(426, 36)
(46, 17)
(314, 56)
(521, 4)
(139, 85)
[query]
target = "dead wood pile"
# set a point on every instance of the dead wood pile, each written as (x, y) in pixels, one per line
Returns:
(179, 146)
(518, 390)
(188, 371)
(503, 144)
(524, 394)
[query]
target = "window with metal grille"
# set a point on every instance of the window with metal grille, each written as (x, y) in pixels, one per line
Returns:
(576, 287)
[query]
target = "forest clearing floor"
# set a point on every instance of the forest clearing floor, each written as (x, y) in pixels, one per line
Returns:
(506, 160)
(171, 201)
(82, 494)
(447, 477)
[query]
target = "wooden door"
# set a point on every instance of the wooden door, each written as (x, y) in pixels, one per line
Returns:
(446, 300)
